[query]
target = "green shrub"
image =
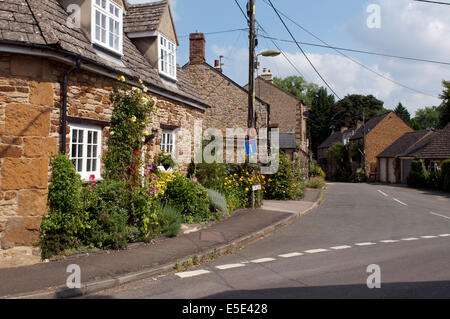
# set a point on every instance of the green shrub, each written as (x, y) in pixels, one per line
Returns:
(171, 220)
(317, 171)
(238, 184)
(189, 197)
(64, 225)
(316, 182)
(434, 180)
(445, 175)
(210, 175)
(218, 201)
(418, 175)
(281, 185)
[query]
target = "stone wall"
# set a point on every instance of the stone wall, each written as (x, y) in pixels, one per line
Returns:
(29, 134)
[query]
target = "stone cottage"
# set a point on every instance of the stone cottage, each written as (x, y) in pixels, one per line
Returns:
(59, 61)
(228, 100)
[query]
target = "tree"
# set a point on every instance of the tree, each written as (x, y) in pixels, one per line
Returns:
(444, 116)
(350, 109)
(297, 86)
(403, 113)
(428, 117)
(320, 113)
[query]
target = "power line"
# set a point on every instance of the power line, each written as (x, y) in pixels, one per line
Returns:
(360, 51)
(217, 32)
(243, 13)
(350, 58)
(303, 52)
(434, 2)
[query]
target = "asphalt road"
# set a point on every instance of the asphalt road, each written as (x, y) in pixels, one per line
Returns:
(326, 253)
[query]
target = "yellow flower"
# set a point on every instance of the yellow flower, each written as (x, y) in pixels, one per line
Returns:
(246, 173)
(111, 133)
(133, 119)
(246, 189)
(237, 184)
(144, 100)
(224, 183)
(147, 133)
(121, 78)
(140, 81)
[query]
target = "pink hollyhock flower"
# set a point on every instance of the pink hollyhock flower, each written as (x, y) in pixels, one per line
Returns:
(149, 167)
(103, 214)
(92, 177)
(155, 180)
(94, 184)
(157, 189)
(195, 163)
(195, 179)
(151, 191)
(79, 240)
(120, 235)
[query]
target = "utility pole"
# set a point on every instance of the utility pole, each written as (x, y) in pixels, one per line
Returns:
(251, 70)
(364, 143)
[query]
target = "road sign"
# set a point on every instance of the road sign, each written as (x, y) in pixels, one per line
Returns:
(250, 147)
(256, 187)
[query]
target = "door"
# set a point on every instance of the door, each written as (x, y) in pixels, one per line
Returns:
(383, 170)
(391, 171)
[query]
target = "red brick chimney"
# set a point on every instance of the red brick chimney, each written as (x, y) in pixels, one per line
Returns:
(197, 48)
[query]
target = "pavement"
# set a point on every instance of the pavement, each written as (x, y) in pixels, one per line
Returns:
(115, 268)
(327, 253)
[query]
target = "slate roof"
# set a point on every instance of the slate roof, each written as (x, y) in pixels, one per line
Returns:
(287, 140)
(402, 144)
(433, 146)
(369, 126)
(335, 137)
(144, 17)
(43, 23)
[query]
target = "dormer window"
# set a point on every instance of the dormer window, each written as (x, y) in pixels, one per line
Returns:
(107, 25)
(167, 57)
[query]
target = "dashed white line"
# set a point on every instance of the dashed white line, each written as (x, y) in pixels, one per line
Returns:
(428, 237)
(444, 235)
(410, 239)
(432, 213)
(290, 255)
(229, 266)
(398, 201)
(383, 193)
(388, 241)
(315, 251)
(341, 247)
(188, 274)
(365, 244)
(262, 260)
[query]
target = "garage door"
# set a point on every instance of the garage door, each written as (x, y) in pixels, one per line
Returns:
(391, 171)
(383, 170)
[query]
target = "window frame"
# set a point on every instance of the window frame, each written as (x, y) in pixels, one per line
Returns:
(170, 54)
(86, 128)
(94, 8)
(163, 146)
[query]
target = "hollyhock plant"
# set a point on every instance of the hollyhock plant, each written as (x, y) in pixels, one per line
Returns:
(92, 178)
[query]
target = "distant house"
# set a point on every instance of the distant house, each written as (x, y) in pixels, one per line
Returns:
(373, 138)
(287, 111)
(389, 161)
(432, 150)
(325, 161)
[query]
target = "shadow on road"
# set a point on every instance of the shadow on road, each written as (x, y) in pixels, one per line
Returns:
(409, 290)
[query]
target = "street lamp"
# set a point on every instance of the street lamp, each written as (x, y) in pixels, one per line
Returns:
(251, 89)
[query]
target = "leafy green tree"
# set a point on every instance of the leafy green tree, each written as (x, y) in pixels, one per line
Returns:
(298, 86)
(415, 124)
(444, 116)
(320, 114)
(350, 110)
(428, 117)
(403, 113)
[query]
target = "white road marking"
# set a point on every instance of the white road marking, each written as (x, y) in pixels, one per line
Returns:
(341, 247)
(409, 239)
(388, 241)
(262, 260)
(428, 237)
(290, 255)
(444, 235)
(383, 193)
(315, 251)
(365, 244)
(439, 215)
(229, 266)
(399, 202)
(188, 274)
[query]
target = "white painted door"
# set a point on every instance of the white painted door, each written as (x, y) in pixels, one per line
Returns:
(391, 171)
(383, 170)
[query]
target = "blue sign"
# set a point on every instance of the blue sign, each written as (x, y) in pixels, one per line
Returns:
(250, 147)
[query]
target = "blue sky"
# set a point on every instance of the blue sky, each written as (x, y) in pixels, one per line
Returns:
(407, 28)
